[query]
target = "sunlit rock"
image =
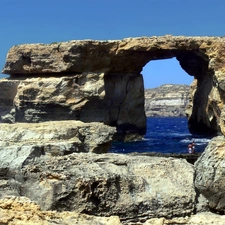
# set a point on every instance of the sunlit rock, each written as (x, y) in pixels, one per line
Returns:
(20, 210)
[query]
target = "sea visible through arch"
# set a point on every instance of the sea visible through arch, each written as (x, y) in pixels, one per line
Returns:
(164, 135)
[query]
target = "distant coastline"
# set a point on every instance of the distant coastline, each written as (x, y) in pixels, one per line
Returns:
(169, 100)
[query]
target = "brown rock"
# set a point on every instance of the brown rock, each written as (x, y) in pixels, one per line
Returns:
(101, 82)
(60, 98)
(128, 55)
(20, 210)
(198, 219)
(86, 97)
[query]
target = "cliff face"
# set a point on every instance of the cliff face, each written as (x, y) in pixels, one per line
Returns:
(166, 101)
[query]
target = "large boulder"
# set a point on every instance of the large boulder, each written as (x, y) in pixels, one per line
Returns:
(21, 142)
(131, 187)
(209, 178)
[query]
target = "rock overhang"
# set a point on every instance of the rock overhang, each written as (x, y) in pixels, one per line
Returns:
(90, 55)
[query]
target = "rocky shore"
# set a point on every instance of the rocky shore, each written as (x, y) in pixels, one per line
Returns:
(63, 105)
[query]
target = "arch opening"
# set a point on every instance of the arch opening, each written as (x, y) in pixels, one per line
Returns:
(167, 88)
(195, 64)
(164, 71)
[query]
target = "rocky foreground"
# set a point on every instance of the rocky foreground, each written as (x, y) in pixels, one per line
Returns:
(15, 211)
(65, 102)
(110, 189)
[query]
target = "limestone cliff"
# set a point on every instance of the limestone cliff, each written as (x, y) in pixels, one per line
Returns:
(166, 101)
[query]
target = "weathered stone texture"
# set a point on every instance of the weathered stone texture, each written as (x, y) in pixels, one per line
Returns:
(198, 219)
(210, 179)
(131, 187)
(21, 141)
(8, 92)
(61, 98)
(21, 211)
(89, 97)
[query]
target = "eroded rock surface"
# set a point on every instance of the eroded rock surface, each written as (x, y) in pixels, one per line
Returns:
(21, 141)
(84, 97)
(131, 187)
(54, 98)
(21, 211)
(210, 180)
(198, 219)
(100, 81)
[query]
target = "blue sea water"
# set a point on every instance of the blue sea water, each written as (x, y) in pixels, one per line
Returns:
(164, 135)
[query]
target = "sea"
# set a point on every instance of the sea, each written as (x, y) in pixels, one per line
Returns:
(164, 135)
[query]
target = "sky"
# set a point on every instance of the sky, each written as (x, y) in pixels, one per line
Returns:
(47, 21)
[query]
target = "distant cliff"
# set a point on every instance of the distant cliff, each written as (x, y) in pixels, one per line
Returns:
(167, 100)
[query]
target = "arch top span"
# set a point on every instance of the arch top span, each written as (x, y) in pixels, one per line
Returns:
(108, 75)
(128, 55)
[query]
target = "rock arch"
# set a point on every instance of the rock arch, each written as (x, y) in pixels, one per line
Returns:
(101, 81)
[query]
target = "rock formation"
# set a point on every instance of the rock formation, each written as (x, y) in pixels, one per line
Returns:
(168, 100)
(211, 183)
(131, 187)
(62, 99)
(116, 65)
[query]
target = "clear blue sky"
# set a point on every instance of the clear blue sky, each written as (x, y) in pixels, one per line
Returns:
(46, 21)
